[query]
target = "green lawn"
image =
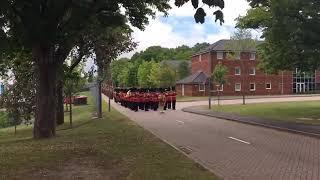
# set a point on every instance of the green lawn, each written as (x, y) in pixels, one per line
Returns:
(307, 112)
(110, 148)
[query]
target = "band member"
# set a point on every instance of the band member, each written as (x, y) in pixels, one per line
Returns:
(162, 102)
(168, 99)
(174, 99)
(147, 101)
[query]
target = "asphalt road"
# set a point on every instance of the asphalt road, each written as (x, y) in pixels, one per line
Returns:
(234, 150)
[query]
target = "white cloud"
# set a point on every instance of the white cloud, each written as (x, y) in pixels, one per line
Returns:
(163, 34)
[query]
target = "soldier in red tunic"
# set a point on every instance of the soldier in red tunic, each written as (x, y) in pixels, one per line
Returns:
(174, 99)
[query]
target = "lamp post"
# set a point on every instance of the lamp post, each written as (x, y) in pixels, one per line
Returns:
(209, 93)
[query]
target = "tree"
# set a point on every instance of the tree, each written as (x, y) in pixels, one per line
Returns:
(219, 77)
(143, 74)
(154, 75)
(184, 70)
(167, 76)
(19, 97)
(116, 68)
(241, 41)
(51, 29)
(291, 33)
(73, 83)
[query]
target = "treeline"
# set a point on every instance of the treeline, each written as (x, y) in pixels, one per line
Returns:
(154, 67)
(158, 54)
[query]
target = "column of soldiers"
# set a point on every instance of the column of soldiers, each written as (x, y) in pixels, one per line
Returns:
(146, 99)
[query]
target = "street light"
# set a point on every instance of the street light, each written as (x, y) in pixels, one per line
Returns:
(209, 93)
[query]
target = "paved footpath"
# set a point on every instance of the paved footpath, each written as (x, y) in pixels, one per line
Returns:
(234, 150)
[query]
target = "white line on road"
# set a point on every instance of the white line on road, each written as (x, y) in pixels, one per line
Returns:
(239, 140)
(180, 121)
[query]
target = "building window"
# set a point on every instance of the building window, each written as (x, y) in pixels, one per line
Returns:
(237, 55)
(200, 58)
(252, 56)
(220, 88)
(237, 71)
(252, 71)
(252, 86)
(237, 87)
(219, 55)
(201, 87)
(268, 86)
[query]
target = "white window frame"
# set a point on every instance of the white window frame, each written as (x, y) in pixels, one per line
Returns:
(252, 56)
(235, 87)
(235, 71)
(254, 87)
(219, 54)
(204, 87)
(267, 86)
(254, 71)
(220, 89)
(238, 57)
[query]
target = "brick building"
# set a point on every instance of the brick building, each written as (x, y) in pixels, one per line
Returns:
(243, 77)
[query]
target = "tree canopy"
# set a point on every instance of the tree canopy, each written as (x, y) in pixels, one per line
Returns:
(51, 29)
(158, 53)
(291, 31)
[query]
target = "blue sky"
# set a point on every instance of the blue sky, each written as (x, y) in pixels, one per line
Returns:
(179, 27)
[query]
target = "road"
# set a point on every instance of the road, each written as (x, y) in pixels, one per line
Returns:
(233, 150)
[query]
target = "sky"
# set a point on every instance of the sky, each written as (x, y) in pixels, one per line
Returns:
(179, 27)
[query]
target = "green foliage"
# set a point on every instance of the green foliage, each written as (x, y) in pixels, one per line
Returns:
(240, 41)
(143, 74)
(154, 75)
(219, 74)
(184, 70)
(159, 54)
(167, 76)
(128, 74)
(200, 14)
(74, 81)
(19, 97)
(291, 32)
(4, 120)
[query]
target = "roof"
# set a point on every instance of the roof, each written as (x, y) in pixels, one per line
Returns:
(196, 78)
(221, 46)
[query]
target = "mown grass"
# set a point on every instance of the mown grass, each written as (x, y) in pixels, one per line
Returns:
(307, 112)
(109, 148)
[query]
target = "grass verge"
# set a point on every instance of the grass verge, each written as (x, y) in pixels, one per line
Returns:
(110, 148)
(307, 112)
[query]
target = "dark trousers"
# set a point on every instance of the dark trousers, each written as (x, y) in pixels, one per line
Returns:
(136, 106)
(165, 106)
(141, 105)
(169, 104)
(174, 104)
(146, 106)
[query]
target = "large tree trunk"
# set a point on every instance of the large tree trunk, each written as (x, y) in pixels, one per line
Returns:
(60, 108)
(45, 120)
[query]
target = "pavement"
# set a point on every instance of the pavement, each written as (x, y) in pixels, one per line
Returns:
(305, 129)
(235, 151)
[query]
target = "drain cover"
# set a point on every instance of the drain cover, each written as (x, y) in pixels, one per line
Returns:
(185, 149)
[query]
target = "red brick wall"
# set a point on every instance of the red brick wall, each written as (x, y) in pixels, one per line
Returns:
(202, 64)
(190, 90)
(260, 78)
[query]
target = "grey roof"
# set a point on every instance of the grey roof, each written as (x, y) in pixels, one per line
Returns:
(221, 46)
(196, 78)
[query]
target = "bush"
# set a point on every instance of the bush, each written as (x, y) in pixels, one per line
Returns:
(4, 121)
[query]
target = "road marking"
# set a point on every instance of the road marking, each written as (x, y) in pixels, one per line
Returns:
(180, 121)
(239, 140)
